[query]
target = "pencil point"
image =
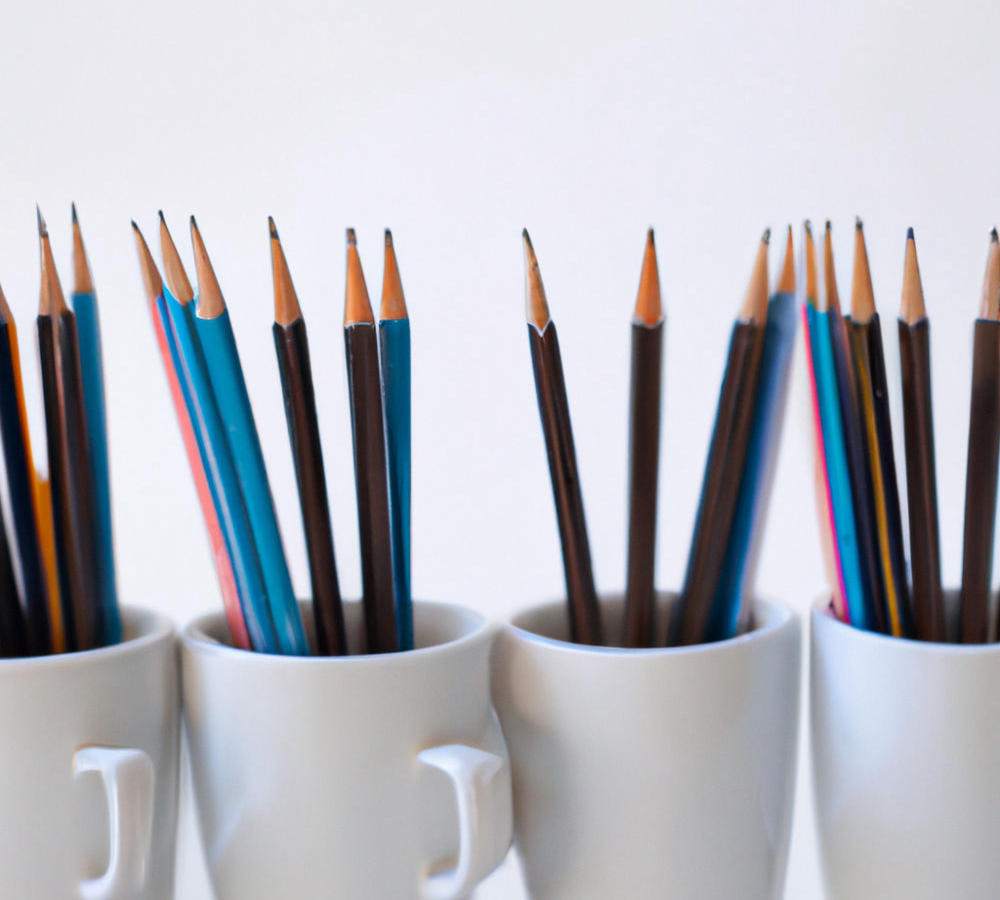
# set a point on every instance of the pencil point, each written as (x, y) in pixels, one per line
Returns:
(50, 301)
(989, 307)
(272, 228)
(72, 209)
(351, 237)
(766, 237)
(812, 282)
(912, 307)
(862, 295)
(286, 302)
(357, 306)
(648, 302)
(993, 235)
(393, 302)
(858, 223)
(173, 268)
(755, 303)
(211, 304)
(43, 230)
(150, 274)
(786, 283)
(829, 272)
(909, 233)
(537, 306)
(83, 281)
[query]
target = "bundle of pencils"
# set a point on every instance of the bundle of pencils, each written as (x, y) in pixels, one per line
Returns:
(205, 377)
(57, 569)
(855, 463)
(712, 604)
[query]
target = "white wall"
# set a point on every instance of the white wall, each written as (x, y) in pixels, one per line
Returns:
(456, 127)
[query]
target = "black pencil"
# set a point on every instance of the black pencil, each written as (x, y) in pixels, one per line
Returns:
(644, 453)
(553, 407)
(921, 479)
(981, 468)
(725, 462)
(292, 347)
(13, 628)
(365, 392)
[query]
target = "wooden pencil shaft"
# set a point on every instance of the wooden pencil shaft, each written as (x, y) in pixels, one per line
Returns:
(372, 486)
(644, 460)
(292, 347)
(921, 481)
(724, 472)
(550, 386)
(981, 482)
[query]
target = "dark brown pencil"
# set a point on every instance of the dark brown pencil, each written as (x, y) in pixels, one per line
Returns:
(726, 461)
(292, 347)
(921, 479)
(584, 612)
(69, 466)
(644, 453)
(981, 467)
(13, 627)
(365, 392)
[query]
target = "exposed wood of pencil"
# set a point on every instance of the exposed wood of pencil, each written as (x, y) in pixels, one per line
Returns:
(369, 458)
(644, 454)
(292, 347)
(982, 459)
(786, 281)
(393, 302)
(210, 301)
(83, 282)
(553, 407)
(921, 478)
(173, 269)
(859, 463)
(726, 461)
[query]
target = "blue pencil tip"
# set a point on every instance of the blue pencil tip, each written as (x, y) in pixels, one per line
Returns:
(909, 233)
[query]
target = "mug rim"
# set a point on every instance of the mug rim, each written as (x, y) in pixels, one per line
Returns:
(195, 639)
(821, 613)
(785, 618)
(160, 628)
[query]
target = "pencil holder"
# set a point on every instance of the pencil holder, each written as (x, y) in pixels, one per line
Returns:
(351, 776)
(663, 772)
(88, 768)
(906, 763)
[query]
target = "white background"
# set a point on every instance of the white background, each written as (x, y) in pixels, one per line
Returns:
(456, 127)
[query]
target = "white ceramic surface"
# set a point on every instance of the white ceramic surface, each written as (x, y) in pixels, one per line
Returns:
(88, 769)
(348, 777)
(906, 764)
(650, 773)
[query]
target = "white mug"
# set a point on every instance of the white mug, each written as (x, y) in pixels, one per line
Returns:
(906, 764)
(661, 772)
(88, 768)
(374, 776)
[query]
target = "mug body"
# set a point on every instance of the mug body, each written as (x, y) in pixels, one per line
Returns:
(661, 772)
(352, 776)
(88, 768)
(906, 763)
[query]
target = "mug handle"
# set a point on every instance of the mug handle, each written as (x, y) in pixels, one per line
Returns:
(481, 781)
(127, 774)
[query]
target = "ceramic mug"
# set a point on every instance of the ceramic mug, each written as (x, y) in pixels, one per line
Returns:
(370, 776)
(906, 763)
(662, 772)
(88, 768)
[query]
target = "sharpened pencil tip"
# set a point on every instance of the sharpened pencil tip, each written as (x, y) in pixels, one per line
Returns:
(272, 228)
(352, 239)
(909, 233)
(357, 306)
(159, 212)
(286, 303)
(43, 230)
(766, 236)
(648, 302)
(83, 281)
(754, 307)
(989, 306)
(388, 238)
(808, 227)
(829, 272)
(537, 307)
(173, 268)
(72, 209)
(913, 307)
(993, 235)
(786, 281)
(393, 302)
(858, 223)
(211, 304)
(862, 295)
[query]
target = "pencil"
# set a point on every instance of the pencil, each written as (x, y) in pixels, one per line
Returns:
(153, 284)
(876, 426)
(730, 606)
(858, 467)
(88, 325)
(553, 407)
(361, 348)
(19, 465)
(726, 461)
(292, 348)
(41, 491)
(921, 480)
(981, 468)
(13, 627)
(394, 347)
(216, 456)
(223, 360)
(644, 453)
(69, 458)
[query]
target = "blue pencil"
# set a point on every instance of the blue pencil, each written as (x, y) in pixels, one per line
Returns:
(394, 344)
(88, 328)
(219, 344)
(192, 371)
(751, 507)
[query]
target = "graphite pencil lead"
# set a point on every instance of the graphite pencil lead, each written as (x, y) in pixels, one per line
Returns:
(829, 272)
(211, 305)
(537, 305)
(357, 306)
(286, 303)
(147, 265)
(812, 282)
(83, 282)
(648, 302)
(786, 283)
(862, 295)
(755, 303)
(912, 307)
(51, 301)
(989, 307)
(393, 302)
(173, 268)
